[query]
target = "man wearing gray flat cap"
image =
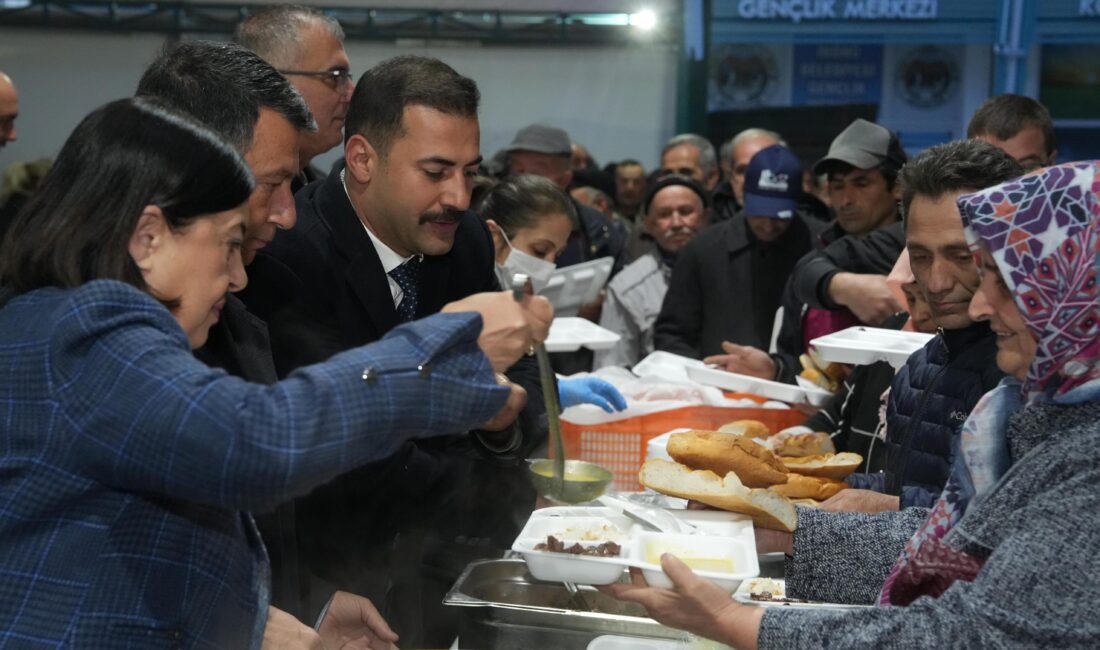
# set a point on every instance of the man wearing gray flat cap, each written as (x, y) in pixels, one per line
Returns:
(545, 150)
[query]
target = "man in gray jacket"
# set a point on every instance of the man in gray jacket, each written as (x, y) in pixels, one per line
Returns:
(676, 209)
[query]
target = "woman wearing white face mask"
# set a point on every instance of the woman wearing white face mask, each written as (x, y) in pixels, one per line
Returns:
(530, 219)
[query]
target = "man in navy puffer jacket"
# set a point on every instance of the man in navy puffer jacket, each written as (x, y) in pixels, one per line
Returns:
(932, 395)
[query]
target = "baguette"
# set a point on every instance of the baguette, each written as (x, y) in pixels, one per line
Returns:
(835, 466)
(747, 428)
(767, 509)
(809, 487)
(721, 453)
(787, 443)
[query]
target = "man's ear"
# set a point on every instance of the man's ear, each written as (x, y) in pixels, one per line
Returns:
(149, 237)
(711, 180)
(362, 159)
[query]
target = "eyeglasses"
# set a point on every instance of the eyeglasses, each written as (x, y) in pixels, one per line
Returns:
(335, 79)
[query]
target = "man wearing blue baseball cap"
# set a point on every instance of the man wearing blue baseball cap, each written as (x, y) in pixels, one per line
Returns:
(727, 285)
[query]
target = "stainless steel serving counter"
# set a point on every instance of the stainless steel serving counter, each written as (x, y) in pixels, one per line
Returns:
(504, 607)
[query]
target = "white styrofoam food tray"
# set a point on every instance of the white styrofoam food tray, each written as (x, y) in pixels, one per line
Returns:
(863, 345)
(756, 386)
(569, 333)
(725, 537)
(666, 365)
(615, 642)
(578, 284)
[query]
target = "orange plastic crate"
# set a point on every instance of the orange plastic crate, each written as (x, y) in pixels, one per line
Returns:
(620, 445)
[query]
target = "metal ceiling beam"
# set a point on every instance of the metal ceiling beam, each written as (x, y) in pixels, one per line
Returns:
(484, 26)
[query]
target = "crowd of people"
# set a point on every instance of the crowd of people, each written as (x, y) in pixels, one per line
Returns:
(242, 393)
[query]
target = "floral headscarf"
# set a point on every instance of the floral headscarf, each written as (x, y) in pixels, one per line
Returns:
(1043, 232)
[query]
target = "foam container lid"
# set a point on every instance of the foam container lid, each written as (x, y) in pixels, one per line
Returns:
(865, 345)
(756, 386)
(569, 333)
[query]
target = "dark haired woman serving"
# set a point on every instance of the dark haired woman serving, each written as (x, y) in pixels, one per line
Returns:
(126, 466)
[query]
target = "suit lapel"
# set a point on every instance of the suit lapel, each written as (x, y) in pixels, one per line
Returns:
(363, 272)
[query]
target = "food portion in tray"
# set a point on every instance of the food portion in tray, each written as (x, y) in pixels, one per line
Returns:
(596, 545)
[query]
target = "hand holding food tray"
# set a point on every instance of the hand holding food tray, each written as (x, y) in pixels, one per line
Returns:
(576, 544)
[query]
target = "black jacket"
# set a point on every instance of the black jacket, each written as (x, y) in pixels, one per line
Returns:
(875, 253)
(726, 286)
(324, 290)
(594, 237)
(930, 398)
(789, 344)
(853, 417)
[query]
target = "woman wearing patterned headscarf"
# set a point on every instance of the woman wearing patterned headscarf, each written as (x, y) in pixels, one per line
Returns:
(1008, 556)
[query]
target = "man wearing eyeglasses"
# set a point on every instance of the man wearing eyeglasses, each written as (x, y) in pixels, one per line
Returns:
(307, 47)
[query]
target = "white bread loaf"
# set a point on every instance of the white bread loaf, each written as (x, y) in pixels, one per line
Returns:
(825, 465)
(767, 509)
(809, 487)
(792, 443)
(747, 428)
(722, 453)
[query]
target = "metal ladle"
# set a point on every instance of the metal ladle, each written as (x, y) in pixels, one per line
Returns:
(591, 480)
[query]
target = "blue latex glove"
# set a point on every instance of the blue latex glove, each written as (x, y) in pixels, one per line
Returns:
(590, 390)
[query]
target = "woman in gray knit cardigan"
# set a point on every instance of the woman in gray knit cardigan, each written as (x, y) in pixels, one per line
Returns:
(1008, 556)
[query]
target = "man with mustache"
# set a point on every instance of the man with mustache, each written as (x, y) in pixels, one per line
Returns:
(387, 237)
(676, 208)
(727, 285)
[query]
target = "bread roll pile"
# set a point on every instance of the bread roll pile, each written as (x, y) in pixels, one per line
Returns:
(730, 471)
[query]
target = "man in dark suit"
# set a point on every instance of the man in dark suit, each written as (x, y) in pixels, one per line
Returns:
(260, 115)
(383, 240)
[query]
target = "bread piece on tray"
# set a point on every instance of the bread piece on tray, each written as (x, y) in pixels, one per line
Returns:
(809, 487)
(767, 509)
(825, 465)
(790, 443)
(721, 453)
(747, 428)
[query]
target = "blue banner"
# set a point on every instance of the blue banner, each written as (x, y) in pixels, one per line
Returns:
(836, 74)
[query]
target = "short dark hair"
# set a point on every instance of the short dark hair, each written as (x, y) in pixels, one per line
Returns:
(223, 86)
(960, 165)
(122, 157)
(888, 168)
(518, 202)
(383, 92)
(274, 33)
(1004, 116)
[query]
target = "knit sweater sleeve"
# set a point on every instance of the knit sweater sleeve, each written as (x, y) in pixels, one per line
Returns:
(1037, 587)
(844, 557)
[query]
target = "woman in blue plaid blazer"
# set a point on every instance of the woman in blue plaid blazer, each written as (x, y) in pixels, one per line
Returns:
(126, 466)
